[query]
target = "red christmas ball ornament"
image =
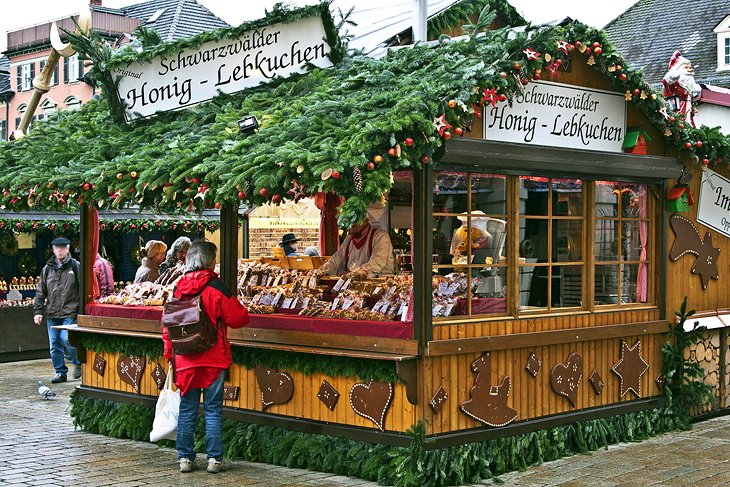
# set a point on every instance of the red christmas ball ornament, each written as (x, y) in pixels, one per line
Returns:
(391, 152)
(536, 76)
(241, 195)
(596, 44)
(524, 81)
(336, 174)
(577, 43)
(447, 135)
(688, 145)
(622, 76)
(517, 66)
(559, 61)
(671, 119)
(133, 174)
(636, 91)
(217, 206)
(681, 126)
(503, 75)
(502, 97)
(263, 192)
(378, 159)
(120, 175)
(196, 181)
(452, 103)
(409, 142)
(618, 67)
(698, 144)
(597, 50)
(132, 226)
(87, 186)
(370, 166)
(705, 162)
(425, 159)
(458, 131)
(276, 198)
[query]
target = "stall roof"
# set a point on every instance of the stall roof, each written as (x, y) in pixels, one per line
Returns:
(312, 126)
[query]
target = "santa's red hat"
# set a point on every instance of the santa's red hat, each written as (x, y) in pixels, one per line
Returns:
(677, 58)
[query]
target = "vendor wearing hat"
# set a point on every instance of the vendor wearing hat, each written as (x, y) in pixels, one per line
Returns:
(366, 250)
(474, 236)
(289, 244)
(58, 299)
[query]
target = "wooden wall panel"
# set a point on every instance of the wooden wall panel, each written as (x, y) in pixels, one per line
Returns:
(303, 404)
(532, 396)
(680, 280)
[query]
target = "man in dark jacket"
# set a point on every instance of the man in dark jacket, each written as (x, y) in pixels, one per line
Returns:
(58, 298)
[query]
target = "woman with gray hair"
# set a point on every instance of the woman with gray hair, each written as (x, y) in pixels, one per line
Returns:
(205, 371)
(177, 253)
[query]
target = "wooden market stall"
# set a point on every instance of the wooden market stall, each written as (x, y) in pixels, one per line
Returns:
(540, 259)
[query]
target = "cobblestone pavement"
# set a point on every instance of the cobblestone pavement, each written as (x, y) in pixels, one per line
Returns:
(41, 447)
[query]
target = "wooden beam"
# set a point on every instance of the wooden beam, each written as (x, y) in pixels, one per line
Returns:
(543, 338)
(228, 251)
(88, 254)
(526, 159)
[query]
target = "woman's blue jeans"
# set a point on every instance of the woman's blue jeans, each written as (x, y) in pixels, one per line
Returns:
(213, 414)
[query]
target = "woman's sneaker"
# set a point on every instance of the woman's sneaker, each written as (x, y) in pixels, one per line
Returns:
(215, 466)
(187, 465)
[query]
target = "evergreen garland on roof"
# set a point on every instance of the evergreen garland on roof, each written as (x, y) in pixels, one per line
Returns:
(339, 121)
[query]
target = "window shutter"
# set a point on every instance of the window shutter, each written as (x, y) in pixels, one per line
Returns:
(20, 78)
(81, 67)
(65, 70)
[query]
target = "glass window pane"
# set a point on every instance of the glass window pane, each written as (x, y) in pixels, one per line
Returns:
(606, 284)
(606, 240)
(567, 288)
(606, 199)
(450, 192)
(489, 194)
(533, 240)
(567, 240)
(533, 196)
(567, 197)
(449, 293)
(489, 291)
(634, 201)
(634, 234)
(533, 288)
(445, 230)
(634, 283)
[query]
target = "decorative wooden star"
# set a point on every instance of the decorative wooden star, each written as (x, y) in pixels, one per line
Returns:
(440, 124)
(563, 46)
(490, 96)
(531, 55)
(630, 368)
(297, 192)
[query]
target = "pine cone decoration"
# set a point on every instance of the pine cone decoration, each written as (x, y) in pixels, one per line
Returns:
(357, 177)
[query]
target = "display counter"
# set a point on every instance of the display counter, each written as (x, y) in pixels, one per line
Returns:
(21, 338)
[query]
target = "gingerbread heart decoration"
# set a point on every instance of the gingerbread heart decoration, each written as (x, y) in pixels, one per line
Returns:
(565, 378)
(130, 369)
(372, 400)
(276, 387)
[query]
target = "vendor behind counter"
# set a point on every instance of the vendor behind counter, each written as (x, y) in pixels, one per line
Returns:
(366, 250)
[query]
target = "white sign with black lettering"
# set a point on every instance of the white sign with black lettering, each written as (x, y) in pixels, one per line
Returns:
(559, 115)
(713, 209)
(191, 76)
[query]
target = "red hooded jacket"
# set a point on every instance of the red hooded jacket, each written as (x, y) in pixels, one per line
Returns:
(221, 306)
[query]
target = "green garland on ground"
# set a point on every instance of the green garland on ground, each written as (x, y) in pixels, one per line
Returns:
(339, 118)
(119, 226)
(306, 363)
(408, 467)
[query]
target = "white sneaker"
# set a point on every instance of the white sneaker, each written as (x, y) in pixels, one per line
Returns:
(186, 465)
(214, 466)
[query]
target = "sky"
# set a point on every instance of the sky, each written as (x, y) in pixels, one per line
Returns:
(234, 12)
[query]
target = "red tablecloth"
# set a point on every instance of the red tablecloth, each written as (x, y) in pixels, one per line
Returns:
(277, 321)
(482, 306)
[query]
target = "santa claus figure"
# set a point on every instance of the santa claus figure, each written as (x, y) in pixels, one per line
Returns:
(680, 87)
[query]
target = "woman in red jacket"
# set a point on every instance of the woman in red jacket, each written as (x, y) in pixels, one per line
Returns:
(204, 372)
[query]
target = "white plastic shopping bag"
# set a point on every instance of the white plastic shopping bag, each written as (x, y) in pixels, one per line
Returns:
(164, 427)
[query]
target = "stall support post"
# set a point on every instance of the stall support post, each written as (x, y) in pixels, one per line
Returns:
(229, 244)
(88, 253)
(422, 249)
(246, 236)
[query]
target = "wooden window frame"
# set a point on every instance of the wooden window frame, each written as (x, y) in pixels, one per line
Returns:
(588, 221)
